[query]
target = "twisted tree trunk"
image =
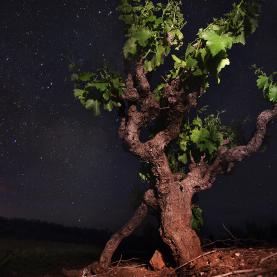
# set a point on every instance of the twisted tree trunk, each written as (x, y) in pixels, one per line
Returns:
(172, 194)
(175, 228)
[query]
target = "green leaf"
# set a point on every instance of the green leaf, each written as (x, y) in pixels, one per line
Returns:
(101, 86)
(94, 105)
(221, 65)
(183, 144)
(240, 38)
(217, 43)
(142, 36)
(130, 47)
(143, 177)
(160, 50)
(208, 146)
(263, 82)
(197, 122)
(197, 217)
(109, 106)
(178, 62)
(183, 158)
(199, 135)
(149, 66)
(203, 53)
(158, 91)
(190, 49)
(191, 62)
(179, 34)
(106, 95)
(85, 76)
(272, 93)
(176, 59)
(78, 92)
(116, 83)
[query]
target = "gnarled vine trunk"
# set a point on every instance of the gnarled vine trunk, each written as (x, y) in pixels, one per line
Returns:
(173, 192)
(175, 228)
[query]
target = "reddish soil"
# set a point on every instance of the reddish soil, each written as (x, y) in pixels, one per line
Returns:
(219, 262)
(249, 262)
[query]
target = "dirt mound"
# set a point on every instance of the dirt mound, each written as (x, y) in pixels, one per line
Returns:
(234, 262)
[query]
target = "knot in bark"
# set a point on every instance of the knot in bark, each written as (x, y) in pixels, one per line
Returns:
(130, 94)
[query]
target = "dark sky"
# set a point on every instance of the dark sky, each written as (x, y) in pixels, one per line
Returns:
(59, 163)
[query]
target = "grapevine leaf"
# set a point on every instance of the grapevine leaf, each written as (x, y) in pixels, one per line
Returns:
(94, 105)
(263, 82)
(160, 50)
(78, 92)
(221, 65)
(178, 62)
(183, 144)
(272, 93)
(183, 158)
(142, 36)
(197, 218)
(197, 121)
(130, 47)
(108, 106)
(191, 62)
(85, 76)
(217, 43)
(199, 135)
(148, 66)
(106, 95)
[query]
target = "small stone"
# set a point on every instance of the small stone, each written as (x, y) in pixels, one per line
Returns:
(237, 254)
(157, 261)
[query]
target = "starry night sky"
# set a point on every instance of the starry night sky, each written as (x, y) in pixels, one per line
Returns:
(60, 164)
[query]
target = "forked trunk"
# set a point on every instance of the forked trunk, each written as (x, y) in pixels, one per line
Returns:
(176, 217)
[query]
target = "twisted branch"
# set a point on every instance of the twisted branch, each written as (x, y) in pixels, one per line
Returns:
(226, 158)
(136, 220)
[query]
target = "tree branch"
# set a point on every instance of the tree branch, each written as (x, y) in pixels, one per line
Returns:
(110, 247)
(142, 79)
(130, 92)
(130, 125)
(150, 199)
(226, 158)
(178, 108)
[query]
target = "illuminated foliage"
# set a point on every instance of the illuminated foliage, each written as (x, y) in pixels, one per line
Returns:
(154, 29)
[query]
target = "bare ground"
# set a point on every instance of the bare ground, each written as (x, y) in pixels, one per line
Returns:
(218, 262)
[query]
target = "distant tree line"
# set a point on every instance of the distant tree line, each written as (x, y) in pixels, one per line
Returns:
(38, 230)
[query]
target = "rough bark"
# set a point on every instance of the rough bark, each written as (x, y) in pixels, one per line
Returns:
(174, 202)
(172, 194)
(175, 228)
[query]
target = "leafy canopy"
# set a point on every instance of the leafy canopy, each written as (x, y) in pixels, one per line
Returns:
(203, 136)
(207, 55)
(100, 89)
(151, 30)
